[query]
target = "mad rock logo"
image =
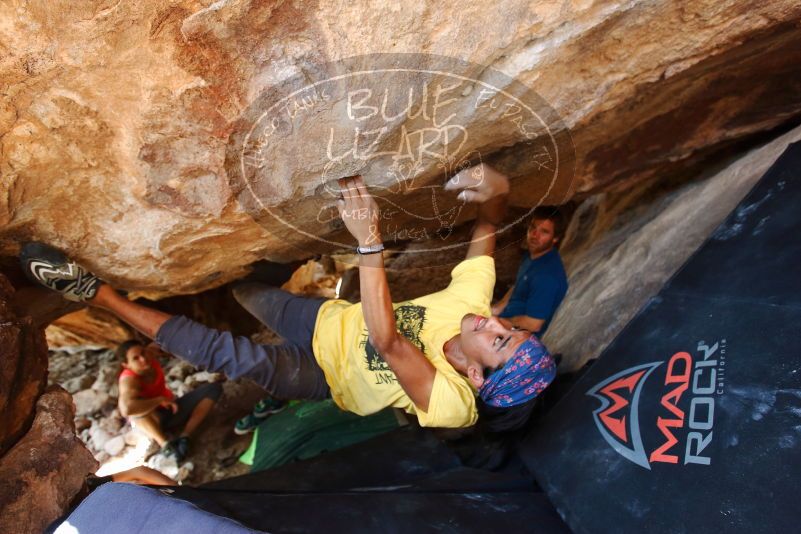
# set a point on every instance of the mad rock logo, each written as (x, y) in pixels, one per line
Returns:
(682, 429)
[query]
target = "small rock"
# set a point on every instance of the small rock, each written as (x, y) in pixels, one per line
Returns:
(178, 388)
(152, 447)
(112, 424)
(164, 464)
(132, 437)
(184, 471)
(99, 437)
(115, 445)
(78, 383)
(82, 423)
(107, 357)
(198, 378)
(106, 377)
(178, 370)
(89, 401)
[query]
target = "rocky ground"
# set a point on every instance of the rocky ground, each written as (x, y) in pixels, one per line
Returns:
(91, 377)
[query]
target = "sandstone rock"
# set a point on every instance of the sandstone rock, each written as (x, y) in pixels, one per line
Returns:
(140, 106)
(64, 365)
(90, 401)
(184, 471)
(107, 376)
(314, 279)
(201, 377)
(417, 272)
(619, 254)
(114, 446)
(44, 470)
(112, 423)
(43, 305)
(178, 388)
(179, 371)
(132, 437)
(82, 423)
(23, 369)
(166, 465)
(88, 327)
(78, 383)
(99, 436)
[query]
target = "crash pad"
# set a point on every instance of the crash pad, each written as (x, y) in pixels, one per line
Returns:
(690, 421)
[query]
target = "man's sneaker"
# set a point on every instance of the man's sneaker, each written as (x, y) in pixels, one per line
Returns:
(47, 266)
(182, 446)
(247, 424)
(178, 447)
(268, 406)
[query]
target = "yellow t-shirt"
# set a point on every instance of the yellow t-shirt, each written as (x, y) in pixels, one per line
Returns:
(361, 381)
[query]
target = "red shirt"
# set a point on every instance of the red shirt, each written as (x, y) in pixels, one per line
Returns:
(157, 388)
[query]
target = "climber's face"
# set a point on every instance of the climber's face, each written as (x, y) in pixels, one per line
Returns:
(487, 343)
(137, 360)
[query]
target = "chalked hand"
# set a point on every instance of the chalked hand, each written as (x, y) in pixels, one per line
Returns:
(479, 183)
(359, 211)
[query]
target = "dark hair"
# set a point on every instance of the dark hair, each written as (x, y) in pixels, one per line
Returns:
(489, 371)
(553, 214)
(121, 352)
(504, 419)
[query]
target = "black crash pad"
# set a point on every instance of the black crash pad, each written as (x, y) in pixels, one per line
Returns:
(403, 481)
(690, 421)
(389, 512)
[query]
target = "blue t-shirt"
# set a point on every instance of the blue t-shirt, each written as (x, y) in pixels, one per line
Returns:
(540, 286)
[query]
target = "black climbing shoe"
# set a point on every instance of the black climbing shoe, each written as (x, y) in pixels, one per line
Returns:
(47, 266)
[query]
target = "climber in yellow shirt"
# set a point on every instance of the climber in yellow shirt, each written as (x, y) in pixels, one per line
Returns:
(429, 356)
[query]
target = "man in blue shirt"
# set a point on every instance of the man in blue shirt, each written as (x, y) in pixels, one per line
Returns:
(541, 281)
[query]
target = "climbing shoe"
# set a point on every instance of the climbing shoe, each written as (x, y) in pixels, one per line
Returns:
(247, 424)
(268, 406)
(47, 266)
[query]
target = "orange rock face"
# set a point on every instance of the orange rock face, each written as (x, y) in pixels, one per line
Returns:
(44, 471)
(23, 369)
(89, 327)
(126, 128)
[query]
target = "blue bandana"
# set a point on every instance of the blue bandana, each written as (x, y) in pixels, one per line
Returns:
(522, 378)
